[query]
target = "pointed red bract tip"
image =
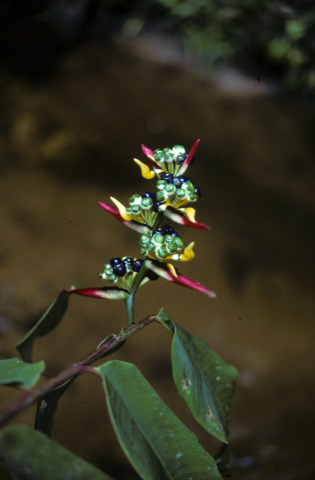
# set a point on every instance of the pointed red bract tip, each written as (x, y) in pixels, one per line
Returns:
(191, 153)
(148, 152)
(109, 208)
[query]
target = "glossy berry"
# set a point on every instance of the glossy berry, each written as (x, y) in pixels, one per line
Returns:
(156, 207)
(181, 178)
(177, 182)
(128, 261)
(149, 195)
(120, 269)
(180, 159)
(137, 264)
(197, 191)
(115, 261)
(158, 230)
(168, 177)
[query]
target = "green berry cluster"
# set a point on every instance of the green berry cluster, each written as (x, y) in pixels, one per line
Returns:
(143, 208)
(170, 160)
(161, 243)
(176, 190)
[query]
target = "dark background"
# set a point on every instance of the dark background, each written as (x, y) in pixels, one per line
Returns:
(77, 100)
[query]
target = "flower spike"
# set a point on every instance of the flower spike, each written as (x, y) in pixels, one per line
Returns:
(163, 270)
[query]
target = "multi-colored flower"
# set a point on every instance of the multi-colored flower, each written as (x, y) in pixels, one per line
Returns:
(144, 214)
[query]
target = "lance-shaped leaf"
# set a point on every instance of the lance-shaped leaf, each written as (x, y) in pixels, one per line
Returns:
(138, 227)
(186, 163)
(30, 455)
(203, 379)
(156, 442)
(20, 374)
(47, 405)
(184, 216)
(51, 318)
(45, 324)
(163, 270)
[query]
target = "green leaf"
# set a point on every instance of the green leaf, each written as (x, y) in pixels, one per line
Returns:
(30, 455)
(166, 321)
(156, 442)
(45, 324)
(204, 380)
(17, 373)
(46, 406)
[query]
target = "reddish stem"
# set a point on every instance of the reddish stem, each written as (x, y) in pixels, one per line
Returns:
(30, 397)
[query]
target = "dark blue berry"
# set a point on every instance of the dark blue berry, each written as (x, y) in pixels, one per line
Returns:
(119, 269)
(181, 178)
(177, 182)
(149, 195)
(168, 177)
(189, 180)
(128, 261)
(197, 191)
(158, 230)
(137, 265)
(156, 207)
(165, 229)
(115, 261)
(181, 158)
(170, 231)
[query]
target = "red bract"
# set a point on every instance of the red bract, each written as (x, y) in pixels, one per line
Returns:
(164, 270)
(110, 293)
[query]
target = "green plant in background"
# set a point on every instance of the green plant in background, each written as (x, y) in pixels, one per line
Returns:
(155, 441)
(275, 37)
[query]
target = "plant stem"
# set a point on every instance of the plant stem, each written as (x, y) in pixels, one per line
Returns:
(28, 398)
(140, 276)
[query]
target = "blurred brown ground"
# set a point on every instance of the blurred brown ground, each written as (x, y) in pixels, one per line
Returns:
(68, 142)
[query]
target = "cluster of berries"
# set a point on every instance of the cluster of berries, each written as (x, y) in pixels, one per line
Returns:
(162, 242)
(170, 160)
(142, 203)
(121, 270)
(177, 190)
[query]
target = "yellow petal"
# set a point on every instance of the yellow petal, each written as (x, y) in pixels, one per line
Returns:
(172, 269)
(145, 171)
(188, 253)
(190, 213)
(122, 209)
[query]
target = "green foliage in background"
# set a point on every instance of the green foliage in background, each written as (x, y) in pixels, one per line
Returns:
(276, 37)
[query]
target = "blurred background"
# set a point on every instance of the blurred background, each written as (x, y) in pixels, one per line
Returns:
(83, 84)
